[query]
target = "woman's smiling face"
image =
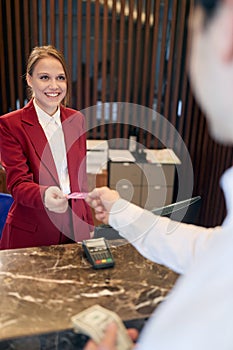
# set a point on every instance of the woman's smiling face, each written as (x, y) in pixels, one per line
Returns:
(48, 83)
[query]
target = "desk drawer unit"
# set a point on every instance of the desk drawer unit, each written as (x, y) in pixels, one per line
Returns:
(126, 179)
(156, 196)
(158, 174)
(157, 185)
(147, 185)
(129, 171)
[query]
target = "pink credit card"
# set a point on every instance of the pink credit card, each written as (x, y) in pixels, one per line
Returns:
(77, 195)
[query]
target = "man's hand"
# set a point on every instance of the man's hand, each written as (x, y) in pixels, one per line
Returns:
(101, 200)
(55, 200)
(109, 340)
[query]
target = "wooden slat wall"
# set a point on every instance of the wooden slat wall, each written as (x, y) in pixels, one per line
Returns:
(3, 81)
(10, 54)
(131, 51)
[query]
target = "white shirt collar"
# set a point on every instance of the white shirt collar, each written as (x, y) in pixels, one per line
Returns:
(44, 118)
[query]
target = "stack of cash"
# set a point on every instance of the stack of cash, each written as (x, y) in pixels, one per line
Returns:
(93, 322)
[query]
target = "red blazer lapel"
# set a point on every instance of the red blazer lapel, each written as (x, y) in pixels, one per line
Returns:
(75, 139)
(38, 139)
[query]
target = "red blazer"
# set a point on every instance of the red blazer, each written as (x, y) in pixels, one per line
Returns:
(30, 169)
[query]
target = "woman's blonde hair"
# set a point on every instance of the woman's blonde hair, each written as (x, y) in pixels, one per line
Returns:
(40, 52)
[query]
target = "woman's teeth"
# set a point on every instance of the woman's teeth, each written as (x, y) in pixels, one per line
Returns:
(51, 94)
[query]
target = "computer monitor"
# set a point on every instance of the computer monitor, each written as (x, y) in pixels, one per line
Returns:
(185, 211)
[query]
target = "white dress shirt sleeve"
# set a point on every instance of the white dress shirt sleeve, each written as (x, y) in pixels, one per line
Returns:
(198, 312)
(173, 244)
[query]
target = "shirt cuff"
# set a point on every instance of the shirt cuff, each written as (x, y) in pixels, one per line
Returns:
(131, 221)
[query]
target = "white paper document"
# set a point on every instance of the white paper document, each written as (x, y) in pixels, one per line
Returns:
(121, 155)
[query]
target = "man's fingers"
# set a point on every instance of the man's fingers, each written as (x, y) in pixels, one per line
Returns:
(100, 209)
(90, 345)
(93, 202)
(133, 334)
(109, 340)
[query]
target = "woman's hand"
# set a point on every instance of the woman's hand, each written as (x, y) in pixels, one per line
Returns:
(55, 200)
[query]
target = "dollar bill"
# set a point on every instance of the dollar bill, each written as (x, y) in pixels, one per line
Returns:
(93, 322)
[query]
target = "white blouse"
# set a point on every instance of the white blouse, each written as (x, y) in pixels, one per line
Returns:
(52, 127)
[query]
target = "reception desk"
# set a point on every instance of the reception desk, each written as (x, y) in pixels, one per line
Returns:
(42, 287)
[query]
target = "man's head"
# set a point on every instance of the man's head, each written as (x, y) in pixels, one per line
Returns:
(211, 64)
(208, 6)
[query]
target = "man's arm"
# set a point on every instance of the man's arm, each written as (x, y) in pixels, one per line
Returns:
(159, 239)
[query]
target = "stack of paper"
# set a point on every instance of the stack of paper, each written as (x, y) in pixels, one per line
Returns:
(162, 156)
(97, 156)
(121, 155)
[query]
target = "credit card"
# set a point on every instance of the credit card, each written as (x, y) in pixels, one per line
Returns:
(77, 195)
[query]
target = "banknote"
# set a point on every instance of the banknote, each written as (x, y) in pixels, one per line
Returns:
(93, 322)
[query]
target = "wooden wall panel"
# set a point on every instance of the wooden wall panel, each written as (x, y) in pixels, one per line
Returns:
(3, 81)
(10, 53)
(131, 51)
(78, 93)
(60, 38)
(19, 48)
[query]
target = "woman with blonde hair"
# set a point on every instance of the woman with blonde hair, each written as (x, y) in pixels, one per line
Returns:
(43, 150)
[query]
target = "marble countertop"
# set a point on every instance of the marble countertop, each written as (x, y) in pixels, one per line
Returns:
(42, 287)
